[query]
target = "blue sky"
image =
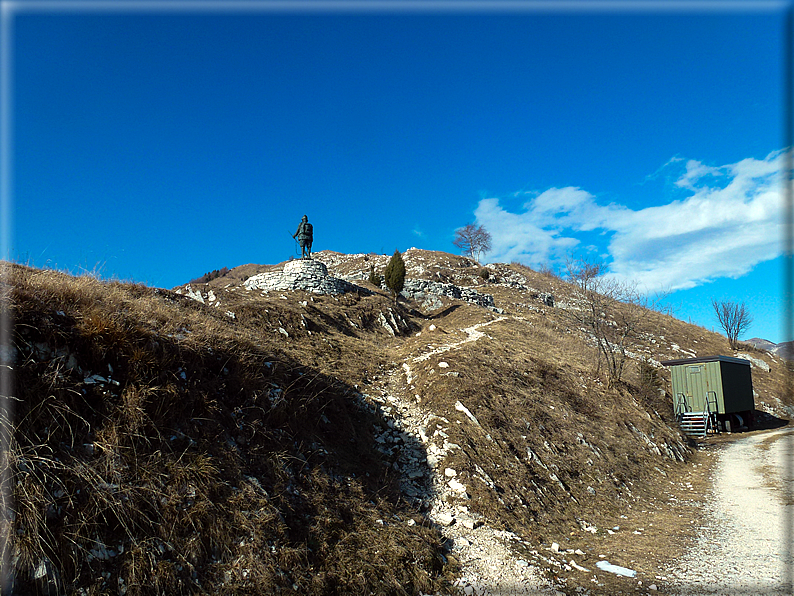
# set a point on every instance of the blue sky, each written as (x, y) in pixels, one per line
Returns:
(157, 144)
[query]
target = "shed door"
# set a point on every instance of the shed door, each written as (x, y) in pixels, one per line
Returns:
(696, 386)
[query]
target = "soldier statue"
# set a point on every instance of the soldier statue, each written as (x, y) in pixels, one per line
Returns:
(305, 235)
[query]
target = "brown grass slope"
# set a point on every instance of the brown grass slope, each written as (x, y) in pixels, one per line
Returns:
(210, 457)
(229, 447)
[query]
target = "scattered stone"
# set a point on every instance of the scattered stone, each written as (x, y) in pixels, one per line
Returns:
(46, 577)
(470, 523)
(94, 379)
(445, 518)
(461, 408)
(578, 567)
(194, 294)
(457, 486)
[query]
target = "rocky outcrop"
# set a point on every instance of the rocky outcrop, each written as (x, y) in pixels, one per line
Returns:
(422, 289)
(754, 362)
(393, 323)
(304, 274)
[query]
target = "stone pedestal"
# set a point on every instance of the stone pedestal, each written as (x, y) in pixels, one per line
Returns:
(308, 267)
(301, 274)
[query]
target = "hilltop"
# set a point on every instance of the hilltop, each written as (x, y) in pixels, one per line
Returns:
(220, 439)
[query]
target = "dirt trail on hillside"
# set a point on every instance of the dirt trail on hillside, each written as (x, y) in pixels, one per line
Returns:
(489, 567)
(742, 547)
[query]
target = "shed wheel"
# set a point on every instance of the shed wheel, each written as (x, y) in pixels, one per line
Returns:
(738, 421)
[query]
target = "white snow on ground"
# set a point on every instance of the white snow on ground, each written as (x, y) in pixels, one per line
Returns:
(741, 550)
(616, 569)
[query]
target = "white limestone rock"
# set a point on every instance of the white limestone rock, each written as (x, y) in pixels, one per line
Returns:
(301, 274)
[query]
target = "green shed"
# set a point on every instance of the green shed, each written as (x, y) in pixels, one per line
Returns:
(722, 386)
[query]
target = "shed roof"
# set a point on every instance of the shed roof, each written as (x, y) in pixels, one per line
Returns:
(730, 359)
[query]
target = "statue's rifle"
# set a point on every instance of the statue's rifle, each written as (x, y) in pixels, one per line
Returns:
(297, 246)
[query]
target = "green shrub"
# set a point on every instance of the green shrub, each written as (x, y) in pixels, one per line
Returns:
(374, 278)
(395, 274)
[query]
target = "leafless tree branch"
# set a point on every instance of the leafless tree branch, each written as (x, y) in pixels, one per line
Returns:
(610, 311)
(472, 240)
(734, 318)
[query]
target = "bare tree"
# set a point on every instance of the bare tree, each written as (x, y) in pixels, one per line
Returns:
(472, 240)
(610, 312)
(583, 273)
(734, 318)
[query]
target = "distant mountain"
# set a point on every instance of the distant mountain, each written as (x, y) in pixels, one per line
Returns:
(761, 344)
(784, 350)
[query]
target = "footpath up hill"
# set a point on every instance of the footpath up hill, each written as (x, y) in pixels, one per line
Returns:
(216, 439)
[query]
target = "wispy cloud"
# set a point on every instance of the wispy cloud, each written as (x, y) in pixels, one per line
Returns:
(731, 221)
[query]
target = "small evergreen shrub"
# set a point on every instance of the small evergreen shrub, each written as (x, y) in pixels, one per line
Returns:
(374, 278)
(395, 274)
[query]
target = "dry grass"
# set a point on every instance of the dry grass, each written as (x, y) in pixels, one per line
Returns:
(544, 438)
(205, 459)
(236, 455)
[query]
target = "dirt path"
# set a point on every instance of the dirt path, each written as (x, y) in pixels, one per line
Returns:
(489, 563)
(740, 549)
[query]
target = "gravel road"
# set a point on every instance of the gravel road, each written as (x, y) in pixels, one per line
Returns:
(747, 515)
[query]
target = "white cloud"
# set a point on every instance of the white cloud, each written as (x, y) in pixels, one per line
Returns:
(695, 171)
(732, 220)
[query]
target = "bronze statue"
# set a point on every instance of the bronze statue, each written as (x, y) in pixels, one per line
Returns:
(305, 236)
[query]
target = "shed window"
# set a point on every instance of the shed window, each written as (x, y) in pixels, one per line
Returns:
(693, 369)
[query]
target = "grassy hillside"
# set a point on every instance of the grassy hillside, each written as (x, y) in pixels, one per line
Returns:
(259, 443)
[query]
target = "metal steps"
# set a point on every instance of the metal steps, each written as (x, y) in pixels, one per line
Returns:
(695, 424)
